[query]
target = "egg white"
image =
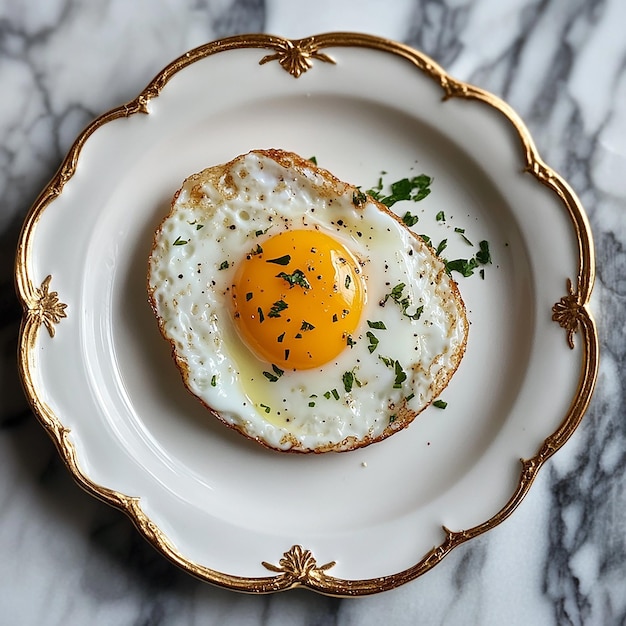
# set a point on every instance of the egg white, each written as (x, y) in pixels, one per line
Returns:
(214, 221)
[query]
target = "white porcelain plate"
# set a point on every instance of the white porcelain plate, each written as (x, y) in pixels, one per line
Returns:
(102, 381)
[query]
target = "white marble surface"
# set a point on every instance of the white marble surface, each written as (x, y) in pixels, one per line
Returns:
(561, 558)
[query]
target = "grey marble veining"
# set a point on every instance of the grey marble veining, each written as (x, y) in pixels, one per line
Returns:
(561, 558)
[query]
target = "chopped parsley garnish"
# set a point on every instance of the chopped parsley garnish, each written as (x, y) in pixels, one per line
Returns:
(397, 370)
(373, 341)
(249, 296)
(295, 278)
(277, 307)
(224, 265)
(349, 341)
(410, 219)
(306, 326)
(386, 360)
(349, 380)
(392, 419)
(483, 256)
(415, 189)
(180, 242)
(358, 198)
(313, 160)
(396, 292)
(199, 226)
(261, 232)
(378, 325)
(334, 317)
(261, 316)
(265, 407)
(280, 337)
(214, 380)
(461, 232)
(443, 244)
(375, 191)
(465, 267)
(333, 392)
(312, 404)
(281, 260)
(409, 397)
(403, 303)
(440, 404)
(273, 377)
(255, 251)
(347, 282)
(400, 375)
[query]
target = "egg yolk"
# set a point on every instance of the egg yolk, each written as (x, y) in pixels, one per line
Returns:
(297, 298)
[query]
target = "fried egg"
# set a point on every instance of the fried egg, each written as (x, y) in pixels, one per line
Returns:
(300, 311)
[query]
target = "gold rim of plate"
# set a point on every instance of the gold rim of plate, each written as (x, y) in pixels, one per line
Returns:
(298, 567)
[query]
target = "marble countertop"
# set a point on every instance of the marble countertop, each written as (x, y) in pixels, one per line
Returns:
(561, 557)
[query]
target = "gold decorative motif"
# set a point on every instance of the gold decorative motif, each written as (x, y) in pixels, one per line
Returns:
(47, 309)
(64, 174)
(299, 567)
(141, 102)
(529, 469)
(539, 169)
(569, 313)
(296, 56)
(453, 88)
